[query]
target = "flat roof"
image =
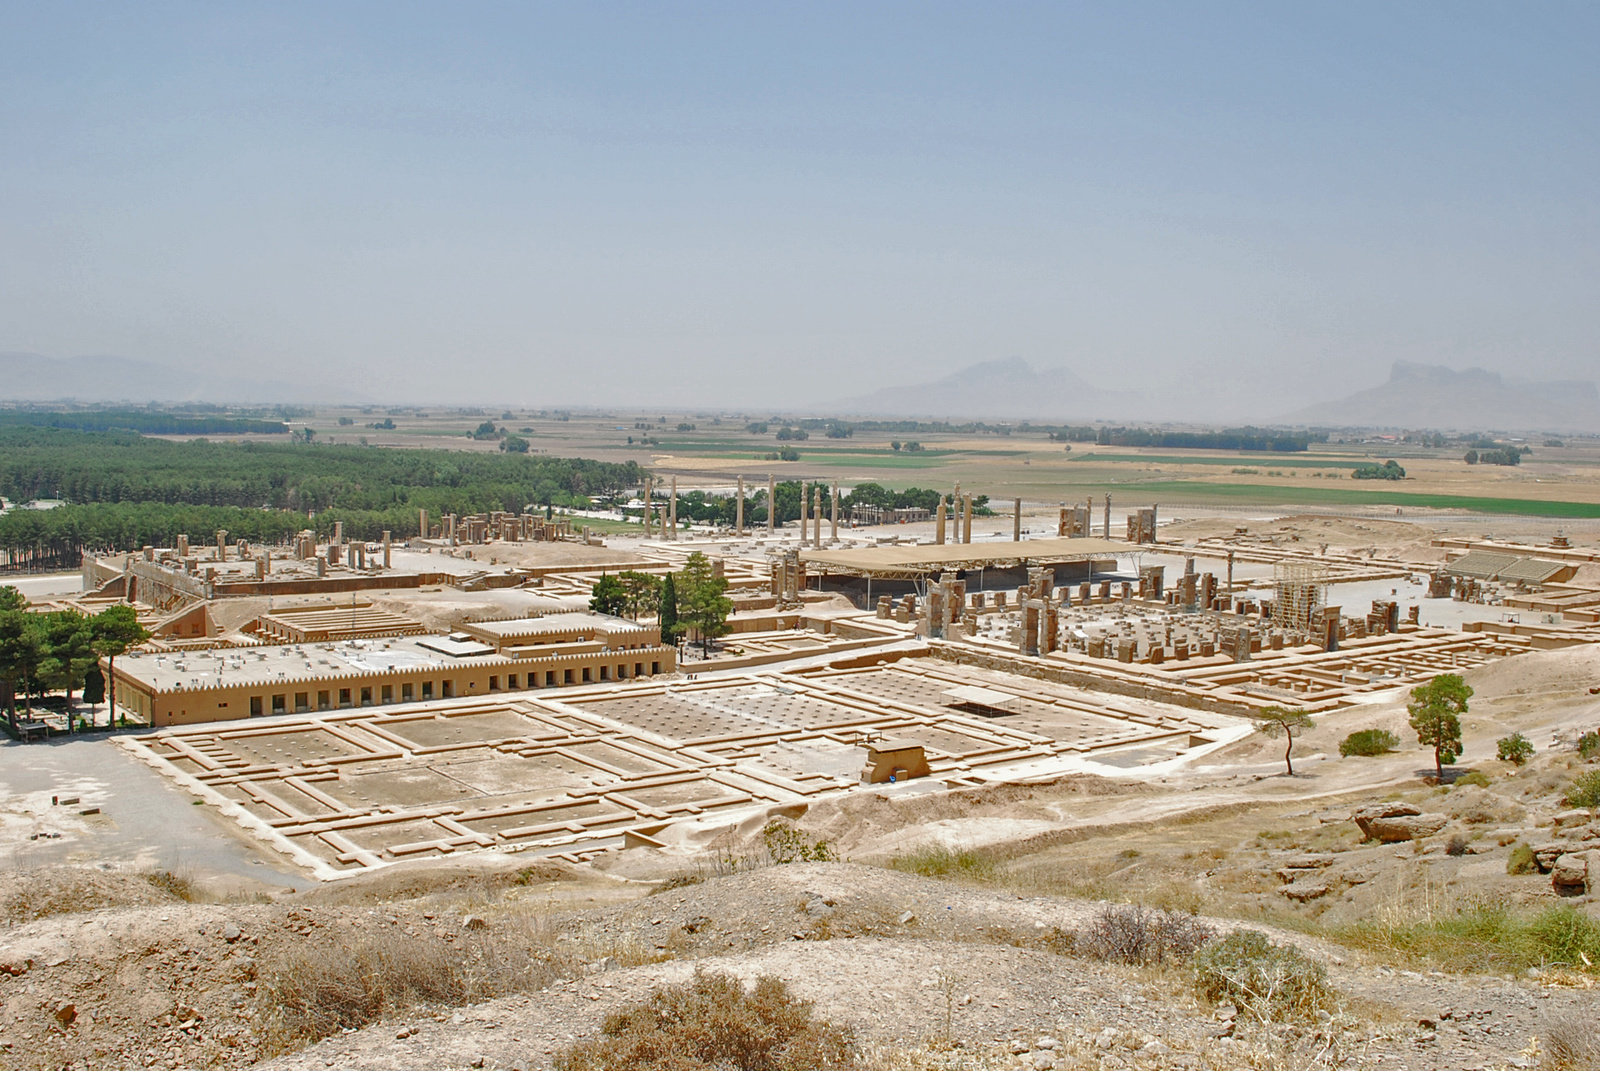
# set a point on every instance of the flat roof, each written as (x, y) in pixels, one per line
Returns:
(242, 666)
(1494, 565)
(919, 560)
(551, 624)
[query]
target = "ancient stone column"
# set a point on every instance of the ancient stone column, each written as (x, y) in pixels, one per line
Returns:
(222, 544)
(672, 511)
(738, 510)
(772, 505)
(1016, 522)
(422, 524)
(966, 520)
(338, 531)
(816, 533)
(833, 529)
(1108, 514)
(938, 524)
(386, 549)
(648, 490)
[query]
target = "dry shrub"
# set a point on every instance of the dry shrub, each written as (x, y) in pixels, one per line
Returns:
(1570, 1042)
(712, 1022)
(308, 991)
(1269, 981)
(177, 886)
(1456, 845)
(1133, 934)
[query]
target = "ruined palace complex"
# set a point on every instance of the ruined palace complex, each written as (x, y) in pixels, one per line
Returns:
(357, 703)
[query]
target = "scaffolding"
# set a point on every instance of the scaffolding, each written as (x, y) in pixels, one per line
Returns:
(1302, 590)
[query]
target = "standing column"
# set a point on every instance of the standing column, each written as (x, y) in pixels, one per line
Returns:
(805, 513)
(1016, 522)
(1108, 514)
(649, 490)
(1230, 579)
(938, 523)
(386, 549)
(833, 530)
(422, 524)
(222, 544)
(672, 511)
(816, 524)
(772, 504)
(966, 524)
(738, 511)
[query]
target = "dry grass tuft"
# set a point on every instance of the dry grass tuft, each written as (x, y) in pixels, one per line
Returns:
(713, 1022)
(1570, 1042)
(309, 991)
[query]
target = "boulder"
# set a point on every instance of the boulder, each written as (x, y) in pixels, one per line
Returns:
(1365, 815)
(1405, 827)
(1545, 855)
(1571, 871)
(1571, 819)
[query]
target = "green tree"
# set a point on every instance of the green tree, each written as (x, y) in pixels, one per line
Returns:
(94, 686)
(702, 604)
(514, 444)
(608, 596)
(1281, 721)
(643, 591)
(69, 652)
(1515, 749)
(22, 651)
(1436, 709)
(667, 612)
(115, 629)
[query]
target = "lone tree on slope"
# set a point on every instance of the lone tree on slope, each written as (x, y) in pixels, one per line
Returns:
(1281, 721)
(1436, 709)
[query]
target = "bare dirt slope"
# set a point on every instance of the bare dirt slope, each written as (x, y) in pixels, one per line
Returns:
(900, 958)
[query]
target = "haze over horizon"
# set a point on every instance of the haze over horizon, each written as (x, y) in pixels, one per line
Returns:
(1250, 208)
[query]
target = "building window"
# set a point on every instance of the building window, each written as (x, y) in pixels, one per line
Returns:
(366, 697)
(447, 689)
(302, 701)
(494, 684)
(605, 673)
(638, 669)
(586, 677)
(255, 706)
(344, 697)
(511, 681)
(278, 704)
(388, 693)
(322, 700)
(427, 689)
(622, 673)
(406, 694)
(566, 676)
(550, 678)
(655, 667)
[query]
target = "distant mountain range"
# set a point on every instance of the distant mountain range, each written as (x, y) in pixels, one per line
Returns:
(1432, 396)
(30, 377)
(1003, 389)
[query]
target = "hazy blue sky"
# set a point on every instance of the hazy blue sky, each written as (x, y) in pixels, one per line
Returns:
(760, 203)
